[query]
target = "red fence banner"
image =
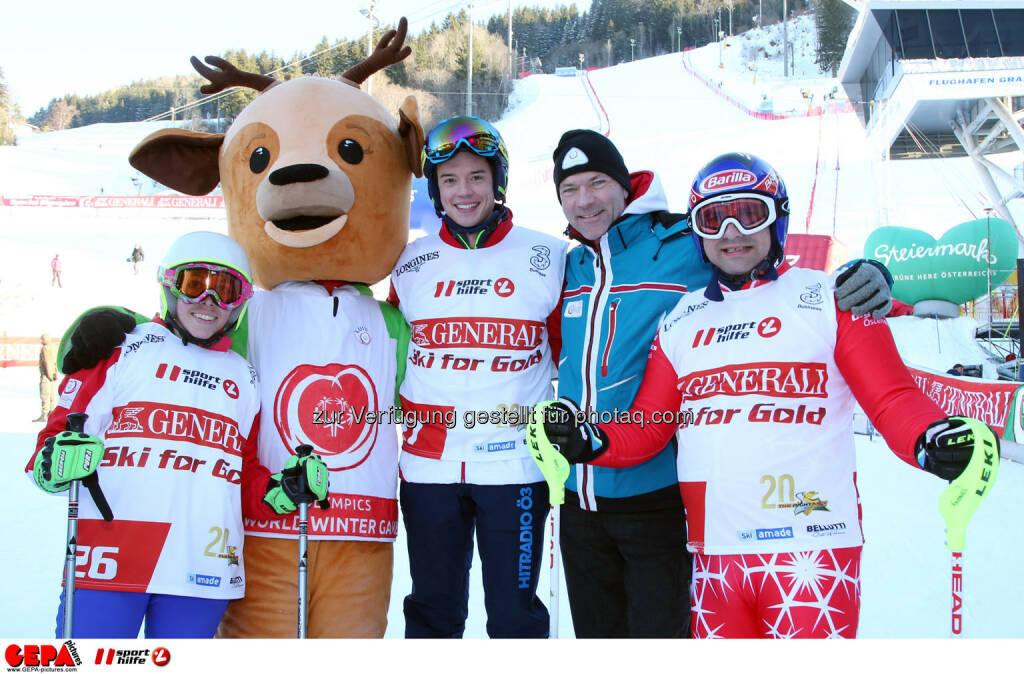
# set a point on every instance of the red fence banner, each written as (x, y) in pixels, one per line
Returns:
(163, 201)
(816, 111)
(19, 351)
(984, 399)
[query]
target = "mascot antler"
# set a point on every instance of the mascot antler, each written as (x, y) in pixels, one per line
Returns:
(389, 51)
(224, 76)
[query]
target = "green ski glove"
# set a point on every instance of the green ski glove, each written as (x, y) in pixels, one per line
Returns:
(66, 456)
(304, 479)
(552, 464)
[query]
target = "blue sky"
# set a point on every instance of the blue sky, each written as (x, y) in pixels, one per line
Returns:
(74, 46)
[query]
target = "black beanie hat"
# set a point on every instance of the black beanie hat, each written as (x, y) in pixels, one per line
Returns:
(582, 150)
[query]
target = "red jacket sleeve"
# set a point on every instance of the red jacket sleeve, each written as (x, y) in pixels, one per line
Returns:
(554, 323)
(255, 478)
(392, 295)
(80, 387)
(651, 421)
(867, 358)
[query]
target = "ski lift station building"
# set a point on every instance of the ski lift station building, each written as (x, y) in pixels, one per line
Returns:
(939, 78)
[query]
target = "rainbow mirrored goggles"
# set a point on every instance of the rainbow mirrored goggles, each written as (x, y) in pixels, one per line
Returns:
(747, 211)
(448, 137)
(196, 281)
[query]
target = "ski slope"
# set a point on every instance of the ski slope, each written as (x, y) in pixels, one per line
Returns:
(662, 119)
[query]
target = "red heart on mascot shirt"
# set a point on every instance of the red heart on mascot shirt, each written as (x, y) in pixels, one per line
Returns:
(323, 406)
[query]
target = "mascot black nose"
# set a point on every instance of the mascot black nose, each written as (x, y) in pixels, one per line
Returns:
(298, 173)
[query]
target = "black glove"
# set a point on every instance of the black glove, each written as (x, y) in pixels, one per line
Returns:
(95, 338)
(946, 446)
(865, 287)
(577, 440)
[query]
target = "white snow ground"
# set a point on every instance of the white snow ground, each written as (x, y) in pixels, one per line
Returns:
(662, 119)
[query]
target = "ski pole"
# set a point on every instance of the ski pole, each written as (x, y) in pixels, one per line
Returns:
(554, 586)
(957, 505)
(301, 451)
(555, 469)
(303, 541)
(75, 424)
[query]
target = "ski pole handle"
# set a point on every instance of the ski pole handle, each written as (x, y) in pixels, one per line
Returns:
(76, 422)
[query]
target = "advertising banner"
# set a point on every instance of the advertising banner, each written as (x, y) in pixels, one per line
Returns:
(956, 268)
(19, 351)
(985, 399)
(170, 201)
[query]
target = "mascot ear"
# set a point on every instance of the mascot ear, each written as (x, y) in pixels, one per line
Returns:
(412, 134)
(186, 161)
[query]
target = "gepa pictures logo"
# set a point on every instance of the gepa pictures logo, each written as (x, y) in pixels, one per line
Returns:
(20, 656)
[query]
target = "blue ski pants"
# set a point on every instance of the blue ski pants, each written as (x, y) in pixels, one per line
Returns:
(107, 614)
(440, 520)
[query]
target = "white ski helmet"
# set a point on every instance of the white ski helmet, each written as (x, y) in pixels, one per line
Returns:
(209, 248)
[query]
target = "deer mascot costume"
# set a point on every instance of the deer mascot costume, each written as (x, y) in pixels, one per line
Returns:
(316, 177)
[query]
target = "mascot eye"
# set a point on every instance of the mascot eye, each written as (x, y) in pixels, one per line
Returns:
(350, 151)
(259, 159)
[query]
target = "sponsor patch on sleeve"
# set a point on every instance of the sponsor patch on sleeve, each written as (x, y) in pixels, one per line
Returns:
(71, 390)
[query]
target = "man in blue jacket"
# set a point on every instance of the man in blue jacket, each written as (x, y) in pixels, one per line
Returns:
(623, 533)
(623, 538)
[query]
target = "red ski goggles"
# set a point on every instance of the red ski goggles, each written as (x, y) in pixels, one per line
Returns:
(447, 137)
(197, 281)
(747, 211)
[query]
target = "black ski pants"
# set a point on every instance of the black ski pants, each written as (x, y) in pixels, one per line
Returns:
(627, 574)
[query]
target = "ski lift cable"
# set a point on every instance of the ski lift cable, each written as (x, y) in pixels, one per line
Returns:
(934, 150)
(221, 94)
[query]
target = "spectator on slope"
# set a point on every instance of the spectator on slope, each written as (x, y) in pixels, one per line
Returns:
(56, 266)
(47, 376)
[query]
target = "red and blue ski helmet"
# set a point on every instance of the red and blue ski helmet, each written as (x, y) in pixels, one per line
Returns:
(737, 173)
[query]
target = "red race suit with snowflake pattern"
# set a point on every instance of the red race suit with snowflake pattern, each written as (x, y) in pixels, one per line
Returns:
(760, 385)
(178, 422)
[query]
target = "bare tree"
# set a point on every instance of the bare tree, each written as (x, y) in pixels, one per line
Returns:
(61, 115)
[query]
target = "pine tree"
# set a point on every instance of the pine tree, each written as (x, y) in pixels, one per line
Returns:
(833, 19)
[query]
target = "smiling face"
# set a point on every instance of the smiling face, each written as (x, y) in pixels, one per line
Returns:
(736, 254)
(592, 201)
(466, 186)
(202, 319)
(315, 177)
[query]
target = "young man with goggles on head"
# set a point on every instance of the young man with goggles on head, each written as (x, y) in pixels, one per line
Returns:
(171, 429)
(756, 376)
(481, 296)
